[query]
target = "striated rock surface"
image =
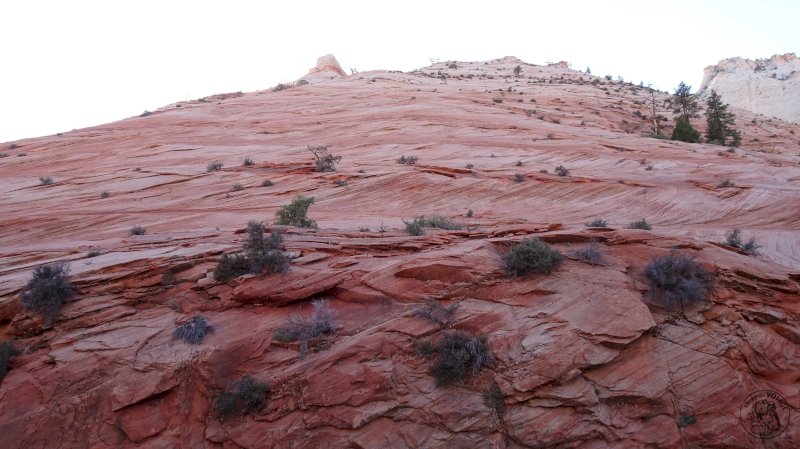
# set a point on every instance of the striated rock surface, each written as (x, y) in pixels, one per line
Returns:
(765, 86)
(327, 68)
(582, 358)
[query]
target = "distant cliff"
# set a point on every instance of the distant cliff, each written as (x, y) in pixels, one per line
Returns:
(764, 86)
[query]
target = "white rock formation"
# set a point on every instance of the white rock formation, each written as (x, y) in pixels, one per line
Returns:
(764, 86)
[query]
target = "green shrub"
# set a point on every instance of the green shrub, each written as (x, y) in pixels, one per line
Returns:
(194, 330)
(246, 396)
(214, 166)
(137, 230)
(414, 228)
(7, 352)
(640, 224)
(323, 160)
(294, 214)
(230, 267)
(685, 132)
(531, 256)
(734, 239)
(248, 161)
(597, 223)
(47, 290)
(458, 354)
(678, 278)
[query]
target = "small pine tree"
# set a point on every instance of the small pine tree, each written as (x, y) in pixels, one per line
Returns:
(517, 71)
(720, 122)
(685, 132)
(684, 102)
(588, 70)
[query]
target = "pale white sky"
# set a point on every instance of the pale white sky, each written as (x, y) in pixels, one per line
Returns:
(68, 64)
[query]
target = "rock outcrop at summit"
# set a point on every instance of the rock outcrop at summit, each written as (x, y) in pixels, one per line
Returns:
(327, 68)
(583, 358)
(765, 86)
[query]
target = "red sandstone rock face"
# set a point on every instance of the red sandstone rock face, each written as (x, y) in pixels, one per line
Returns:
(582, 357)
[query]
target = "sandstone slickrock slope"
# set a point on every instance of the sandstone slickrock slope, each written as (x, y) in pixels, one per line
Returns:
(582, 357)
(765, 86)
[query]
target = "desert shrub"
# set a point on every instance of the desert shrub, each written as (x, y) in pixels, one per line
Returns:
(414, 228)
(407, 160)
(734, 239)
(214, 166)
(266, 183)
(230, 267)
(640, 224)
(246, 396)
(294, 214)
(726, 183)
(47, 290)
(45, 180)
(518, 164)
(494, 399)
(433, 311)
(303, 329)
(470, 213)
(423, 348)
(561, 171)
(518, 177)
(469, 166)
(91, 254)
(458, 354)
(591, 253)
(340, 182)
(7, 352)
(105, 194)
(597, 223)
(678, 278)
(497, 100)
(531, 256)
(137, 230)
(248, 161)
(684, 131)
(2, 155)
(194, 330)
(237, 187)
(323, 159)
(272, 261)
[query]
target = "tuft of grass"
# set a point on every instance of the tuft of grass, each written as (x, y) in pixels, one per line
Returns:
(407, 160)
(137, 230)
(597, 223)
(214, 166)
(531, 256)
(678, 278)
(734, 239)
(194, 330)
(640, 224)
(295, 213)
(248, 161)
(304, 329)
(459, 354)
(246, 396)
(47, 290)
